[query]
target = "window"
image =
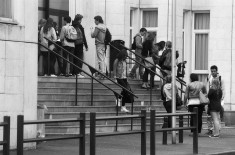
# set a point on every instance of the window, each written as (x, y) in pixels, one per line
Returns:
(5, 9)
(200, 41)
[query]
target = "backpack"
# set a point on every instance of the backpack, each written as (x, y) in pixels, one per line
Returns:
(165, 60)
(79, 39)
(71, 35)
(108, 37)
(133, 46)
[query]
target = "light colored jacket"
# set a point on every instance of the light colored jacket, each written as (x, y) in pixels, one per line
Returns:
(63, 33)
(193, 89)
(167, 89)
(119, 69)
(139, 44)
(99, 33)
(50, 35)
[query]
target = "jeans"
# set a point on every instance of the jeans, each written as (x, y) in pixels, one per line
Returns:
(146, 73)
(168, 119)
(65, 55)
(137, 65)
(200, 111)
(216, 120)
(79, 53)
(100, 51)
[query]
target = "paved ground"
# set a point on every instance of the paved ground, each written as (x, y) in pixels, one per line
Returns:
(130, 145)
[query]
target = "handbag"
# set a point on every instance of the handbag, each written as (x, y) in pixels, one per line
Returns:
(149, 63)
(203, 99)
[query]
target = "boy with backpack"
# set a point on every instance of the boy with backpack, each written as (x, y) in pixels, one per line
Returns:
(68, 36)
(214, 75)
(100, 33)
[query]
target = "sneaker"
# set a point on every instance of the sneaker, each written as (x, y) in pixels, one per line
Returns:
(45, 75)
(214, 136)
(70, 74)
(123, 109)
(144, 86)
(61, 74)
(210, 132)
(53, 75)
(80, 76)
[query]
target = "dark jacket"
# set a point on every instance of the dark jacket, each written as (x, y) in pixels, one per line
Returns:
(77, 24)
(147, 48)
(215, 100)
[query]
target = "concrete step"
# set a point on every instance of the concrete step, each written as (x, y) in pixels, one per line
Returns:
(87, 96)
(102, 102)
(99, 108)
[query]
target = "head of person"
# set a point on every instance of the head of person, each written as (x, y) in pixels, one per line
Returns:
(49, 24)
(55, 25)
(214, 70)
(122, 55)
(78, 18)
(143, 31)
(168, 79)
(150, 36)
(168, 45)
(98, 20)
(160, 45)
(193, 77)
(67, 19)
(41, 23)
(215, 84)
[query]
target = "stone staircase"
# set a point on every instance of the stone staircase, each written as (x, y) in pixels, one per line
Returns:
(58, 94)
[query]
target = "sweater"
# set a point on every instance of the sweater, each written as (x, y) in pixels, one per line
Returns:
(99, 34)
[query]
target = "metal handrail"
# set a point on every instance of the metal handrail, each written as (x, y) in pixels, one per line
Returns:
(6, 135)
(93, 133)
(20, 132)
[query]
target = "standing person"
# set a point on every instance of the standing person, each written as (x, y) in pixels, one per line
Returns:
(68, 45)
(79, 46)
(167, 96)
(147, 52)
(138, 50)
(214, 108)
(119, 72)
(192, 96)
(99, 34)
(48, 32)
(214, 75)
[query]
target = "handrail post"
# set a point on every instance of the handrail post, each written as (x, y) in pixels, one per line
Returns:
(195, 132)
(181, 124)
(132, 114)
(48, 63)
(164, 133)
(117, 113)
(20, 134)
(83, 133)
(143, 134)
(92, 133)
(152, 132)
(76, 91)
(6, 135)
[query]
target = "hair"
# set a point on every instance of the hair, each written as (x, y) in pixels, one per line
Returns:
(42, 21)
(150, 36)
(215, 83)
(122, 55)
(143, 29)
(67, 19)
(193, 77)
(161, 45)
(99, 19)
(48, 25)
(168, 79)
(214, 67)
(78, 17)
(168, 44)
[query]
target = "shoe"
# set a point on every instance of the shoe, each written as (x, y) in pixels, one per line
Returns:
(214, 136)
(131, 75)
(210, 132)
(144, 86)
(80, 76)
(70, 74)
(45, 75)
(61, 74)
(53, 75)
(123, 109)
(147, 85)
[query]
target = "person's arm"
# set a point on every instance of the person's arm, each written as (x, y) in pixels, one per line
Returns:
(223, 89)
(138, 41)
(186, 96)
(94, 33)
(62, 34)
(84, 39)
(53, 35)
(115, 68)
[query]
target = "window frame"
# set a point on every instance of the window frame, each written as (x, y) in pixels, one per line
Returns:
(194, 33)
(11, 20)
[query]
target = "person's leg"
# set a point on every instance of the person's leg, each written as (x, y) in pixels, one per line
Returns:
(123, 82)
(133, 70)
(200, 112)
(190, 109)
(71, 59)
(45, 62)
(152, 75)
(215, 117)
(167, 106)
(60, 60)
(100, 48)
(79, 54)
(65, 55)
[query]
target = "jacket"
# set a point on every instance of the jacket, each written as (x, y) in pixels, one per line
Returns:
(119, 69)
(193, 89)
(147, 48)
(99, 34)
(77, 24)
(167, 89)
(215, 100)
(63, 33)
(50, 35)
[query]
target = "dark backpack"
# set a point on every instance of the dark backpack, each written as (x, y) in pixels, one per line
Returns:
(133, 46)
(108, 37)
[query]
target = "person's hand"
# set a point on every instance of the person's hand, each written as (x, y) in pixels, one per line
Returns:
(86, 49)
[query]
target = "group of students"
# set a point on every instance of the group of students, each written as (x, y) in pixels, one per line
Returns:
(72, 38)
(214, 90)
